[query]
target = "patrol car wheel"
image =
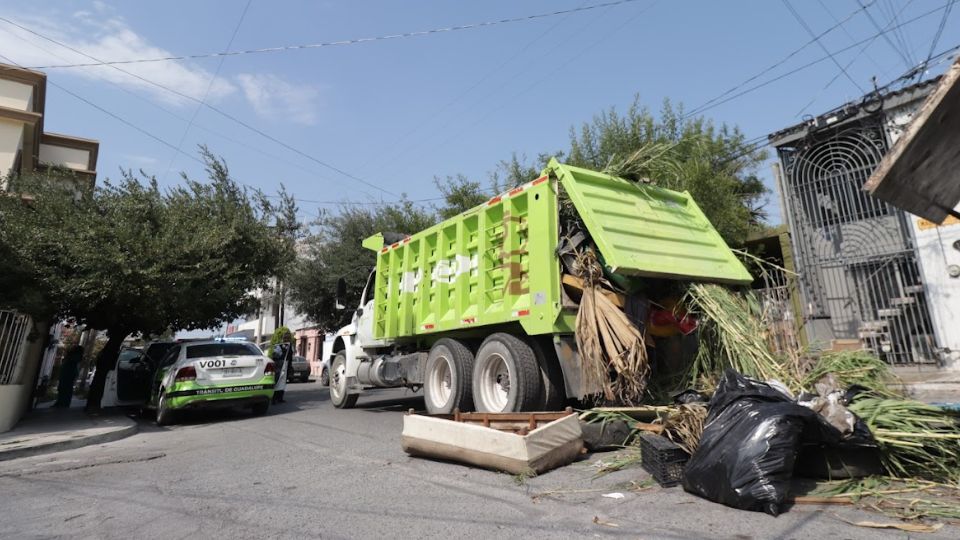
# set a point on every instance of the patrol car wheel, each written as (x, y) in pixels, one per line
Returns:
(446, 383)
(338, 384)
(506, 375)
(164, 414)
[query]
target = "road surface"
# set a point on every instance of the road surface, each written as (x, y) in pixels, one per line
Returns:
(309, 470)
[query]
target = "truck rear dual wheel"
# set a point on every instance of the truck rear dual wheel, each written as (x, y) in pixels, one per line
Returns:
(447, 379)
(507, 376)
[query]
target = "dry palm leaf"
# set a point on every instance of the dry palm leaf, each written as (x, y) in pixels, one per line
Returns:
(612, 349)
(684, 426)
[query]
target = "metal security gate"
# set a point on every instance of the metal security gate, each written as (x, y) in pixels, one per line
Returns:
(858, 267)
(14, 329)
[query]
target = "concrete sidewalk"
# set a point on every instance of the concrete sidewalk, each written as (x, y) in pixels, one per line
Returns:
(46, 430)
(930, 384)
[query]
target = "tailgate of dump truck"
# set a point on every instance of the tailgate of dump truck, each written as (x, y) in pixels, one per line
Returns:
(645, 230)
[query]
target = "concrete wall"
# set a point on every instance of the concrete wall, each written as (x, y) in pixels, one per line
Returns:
(72, 158)
(16, 95)
(11, 140)
(15, 398)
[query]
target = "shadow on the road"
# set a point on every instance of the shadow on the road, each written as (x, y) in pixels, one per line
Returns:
(394, 404)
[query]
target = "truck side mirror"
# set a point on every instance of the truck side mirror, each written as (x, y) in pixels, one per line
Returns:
(341, 294)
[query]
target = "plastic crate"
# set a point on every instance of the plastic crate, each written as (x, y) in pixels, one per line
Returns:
(662, 458)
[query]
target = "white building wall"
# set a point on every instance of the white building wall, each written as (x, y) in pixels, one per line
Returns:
(16, 95)
(11, 140)
(939, 259)
(72, 158)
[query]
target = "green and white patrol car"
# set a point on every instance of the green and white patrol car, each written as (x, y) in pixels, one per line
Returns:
(207, 374)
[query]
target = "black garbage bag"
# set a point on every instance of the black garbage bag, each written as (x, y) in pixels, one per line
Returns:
(750, 443)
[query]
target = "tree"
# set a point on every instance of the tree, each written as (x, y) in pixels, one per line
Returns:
(334, 251)
(128, 258)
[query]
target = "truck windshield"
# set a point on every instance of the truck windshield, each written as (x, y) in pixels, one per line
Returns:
(222, 349)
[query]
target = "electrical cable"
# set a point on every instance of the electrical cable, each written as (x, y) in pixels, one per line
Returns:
(211, 107)
(863, 49)
(389, 155)
(936, 37)
(768, 82)
(346, 41)
(206, 92)
(806, 27)
(886, 38)
(768, 69)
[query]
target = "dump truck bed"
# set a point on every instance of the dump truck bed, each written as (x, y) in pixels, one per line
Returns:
(497, 262)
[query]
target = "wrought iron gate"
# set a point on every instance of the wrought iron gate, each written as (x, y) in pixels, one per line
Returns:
(857, 263)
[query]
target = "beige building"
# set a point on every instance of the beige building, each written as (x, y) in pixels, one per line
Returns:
(25, 146)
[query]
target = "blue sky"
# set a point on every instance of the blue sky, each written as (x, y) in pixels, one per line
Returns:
(398, 112)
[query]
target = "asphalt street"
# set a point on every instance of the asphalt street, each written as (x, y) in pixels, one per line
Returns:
(309, 470)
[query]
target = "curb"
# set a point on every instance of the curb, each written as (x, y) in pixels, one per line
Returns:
(70, 444)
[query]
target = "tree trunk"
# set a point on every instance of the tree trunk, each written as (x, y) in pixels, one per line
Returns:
(106, 360)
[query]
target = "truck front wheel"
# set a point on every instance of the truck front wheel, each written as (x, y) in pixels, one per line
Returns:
(506, 375)
(339, 395)
(446, 383)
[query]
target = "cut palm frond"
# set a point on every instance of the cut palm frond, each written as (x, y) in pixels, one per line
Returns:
(684, 426)
(612, 349)
(651, 162)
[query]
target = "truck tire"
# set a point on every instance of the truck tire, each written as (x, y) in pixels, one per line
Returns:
(506, 375)
(325, 377)
(554, 396)
(338, 384)
(446, 380)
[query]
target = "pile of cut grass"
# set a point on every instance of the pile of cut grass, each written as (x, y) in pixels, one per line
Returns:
(733, 335)
(916, 440)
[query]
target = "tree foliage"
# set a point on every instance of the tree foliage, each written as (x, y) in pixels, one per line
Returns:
(334, 251)
(714, 163)
(130, 258)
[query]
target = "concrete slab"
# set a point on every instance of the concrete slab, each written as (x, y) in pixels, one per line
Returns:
(48, 430)
(929, 384)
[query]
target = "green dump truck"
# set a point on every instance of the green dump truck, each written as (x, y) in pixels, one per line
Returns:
(474, 311)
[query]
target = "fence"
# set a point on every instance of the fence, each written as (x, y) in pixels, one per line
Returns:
(14, 329)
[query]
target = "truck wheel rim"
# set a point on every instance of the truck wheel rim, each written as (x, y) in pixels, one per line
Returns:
(339, 381)
(495, 387)
(441, 382)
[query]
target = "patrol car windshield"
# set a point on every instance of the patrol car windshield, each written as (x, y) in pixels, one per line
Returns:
(222, 349)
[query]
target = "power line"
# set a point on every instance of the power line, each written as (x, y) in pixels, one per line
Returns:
(185, 120)
(206, 92)
(109, 113)
(211, 107)
(806, 27)
(191, 156)
(355, 41)
(768, 69)
(539, 80)
(768, 82)
(862, 50)
(389, 154)
(886, 38)
(936, 37)
(847, 32)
